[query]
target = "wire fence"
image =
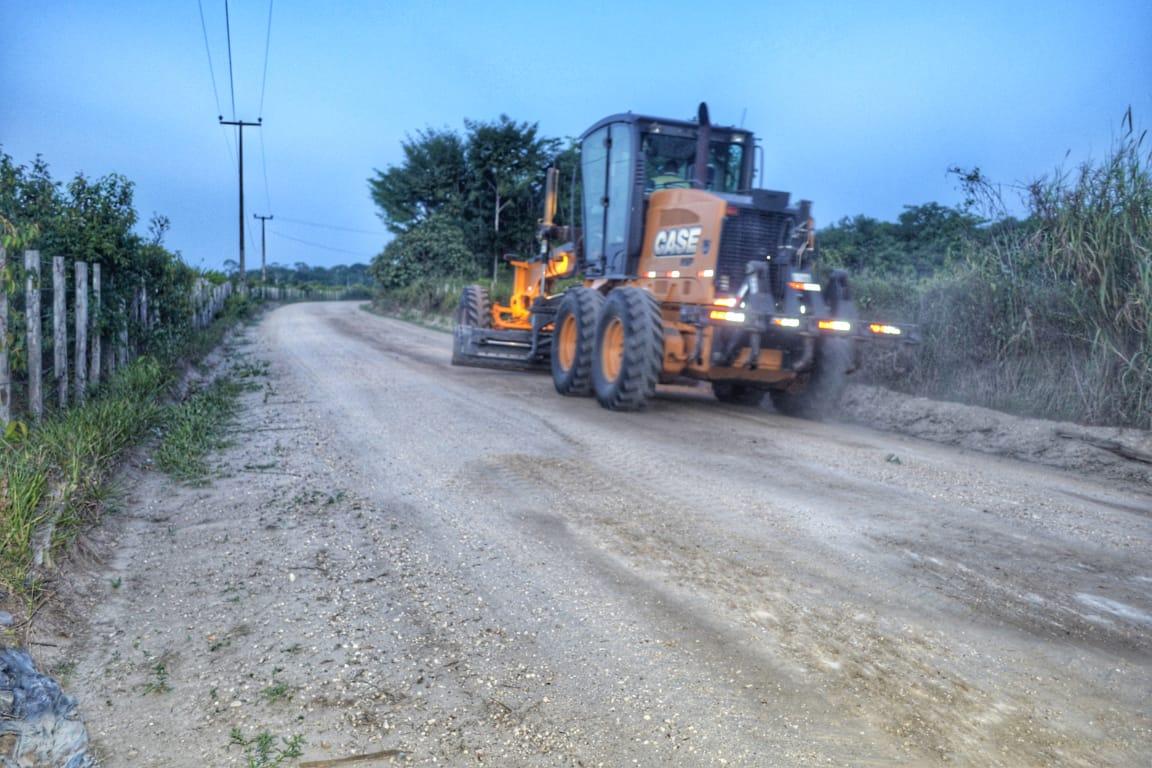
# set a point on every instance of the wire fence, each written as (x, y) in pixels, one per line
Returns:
(67, 338)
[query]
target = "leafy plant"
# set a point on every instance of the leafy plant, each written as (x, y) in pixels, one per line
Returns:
(263, 751)
(159, 681)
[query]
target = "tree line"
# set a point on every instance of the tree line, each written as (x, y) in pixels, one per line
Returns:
(90, 220)
(458, 203)
(303, 275)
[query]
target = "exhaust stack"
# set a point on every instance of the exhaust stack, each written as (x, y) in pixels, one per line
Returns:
(703, 141)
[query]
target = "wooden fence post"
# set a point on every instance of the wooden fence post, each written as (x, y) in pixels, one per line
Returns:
(122, 337)
(81, 358)
(94, 328)
(144, 306)
(32, 320)
(5, 371)
(201, 300)
(59, 331)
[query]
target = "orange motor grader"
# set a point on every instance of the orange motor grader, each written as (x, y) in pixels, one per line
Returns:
(685, 271)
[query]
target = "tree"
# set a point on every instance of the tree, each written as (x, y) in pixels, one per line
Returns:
(487, 185)
(925, 239)
(432, 248)
(506, 161)
(433, 179)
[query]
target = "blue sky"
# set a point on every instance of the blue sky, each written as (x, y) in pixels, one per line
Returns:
(861, 107)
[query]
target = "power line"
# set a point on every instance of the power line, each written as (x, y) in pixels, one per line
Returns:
(228, 146)
(208, 50)
(319, 245)
(212, 76)
(267, 41)
(332, 226)
(231, 82)
(251, 240)
(264, 167)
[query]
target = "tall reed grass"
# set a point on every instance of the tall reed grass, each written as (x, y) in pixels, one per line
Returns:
(1050, 318)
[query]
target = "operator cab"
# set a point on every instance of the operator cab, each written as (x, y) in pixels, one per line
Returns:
(627, 157)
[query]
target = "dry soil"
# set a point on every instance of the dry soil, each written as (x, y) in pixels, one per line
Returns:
(444, 566)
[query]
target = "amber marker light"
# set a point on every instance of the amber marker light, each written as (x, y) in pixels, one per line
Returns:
(834, 325)
(889, 330)
(786, 322)
(725, 301)
(731, 317)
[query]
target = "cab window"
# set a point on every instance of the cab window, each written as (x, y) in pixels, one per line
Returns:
(608, 163)
(669, 162)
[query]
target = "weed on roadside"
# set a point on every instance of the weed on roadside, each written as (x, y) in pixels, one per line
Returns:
(63, 672)
(250, 370)
(262, 751)
(195, 428)
(276, 692)
(159, 681)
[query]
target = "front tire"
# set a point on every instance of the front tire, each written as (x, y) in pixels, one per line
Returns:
(629, 350)
(822, 393)
(574, 341)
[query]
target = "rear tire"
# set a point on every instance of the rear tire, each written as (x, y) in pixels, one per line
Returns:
(629, 350)
(475, 308)
(574, 341)
(737, 393)
(473, 311)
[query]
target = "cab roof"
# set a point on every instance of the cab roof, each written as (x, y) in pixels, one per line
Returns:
(630, 117)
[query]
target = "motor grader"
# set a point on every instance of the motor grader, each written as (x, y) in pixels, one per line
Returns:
(681, 271)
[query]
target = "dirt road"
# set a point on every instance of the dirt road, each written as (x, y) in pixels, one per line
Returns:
(455, 566)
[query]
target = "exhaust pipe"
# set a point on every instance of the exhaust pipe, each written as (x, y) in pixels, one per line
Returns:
(550, 183)
(703, 142)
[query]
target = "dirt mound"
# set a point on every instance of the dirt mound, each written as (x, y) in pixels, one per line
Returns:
(1110, 451)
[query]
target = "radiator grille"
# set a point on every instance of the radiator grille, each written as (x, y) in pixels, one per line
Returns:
(752, 235)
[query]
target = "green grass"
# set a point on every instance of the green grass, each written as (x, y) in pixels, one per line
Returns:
(159, 681)
(436, 297)
(56, 472)
(276, 692)
(263, 751)
(194, 428)
(53, 475)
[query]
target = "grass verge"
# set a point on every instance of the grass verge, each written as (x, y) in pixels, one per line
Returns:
(433, 322)
(52, 476)
(193, 429)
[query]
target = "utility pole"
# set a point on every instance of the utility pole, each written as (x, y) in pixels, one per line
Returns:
(240, 126)
(263, 247)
